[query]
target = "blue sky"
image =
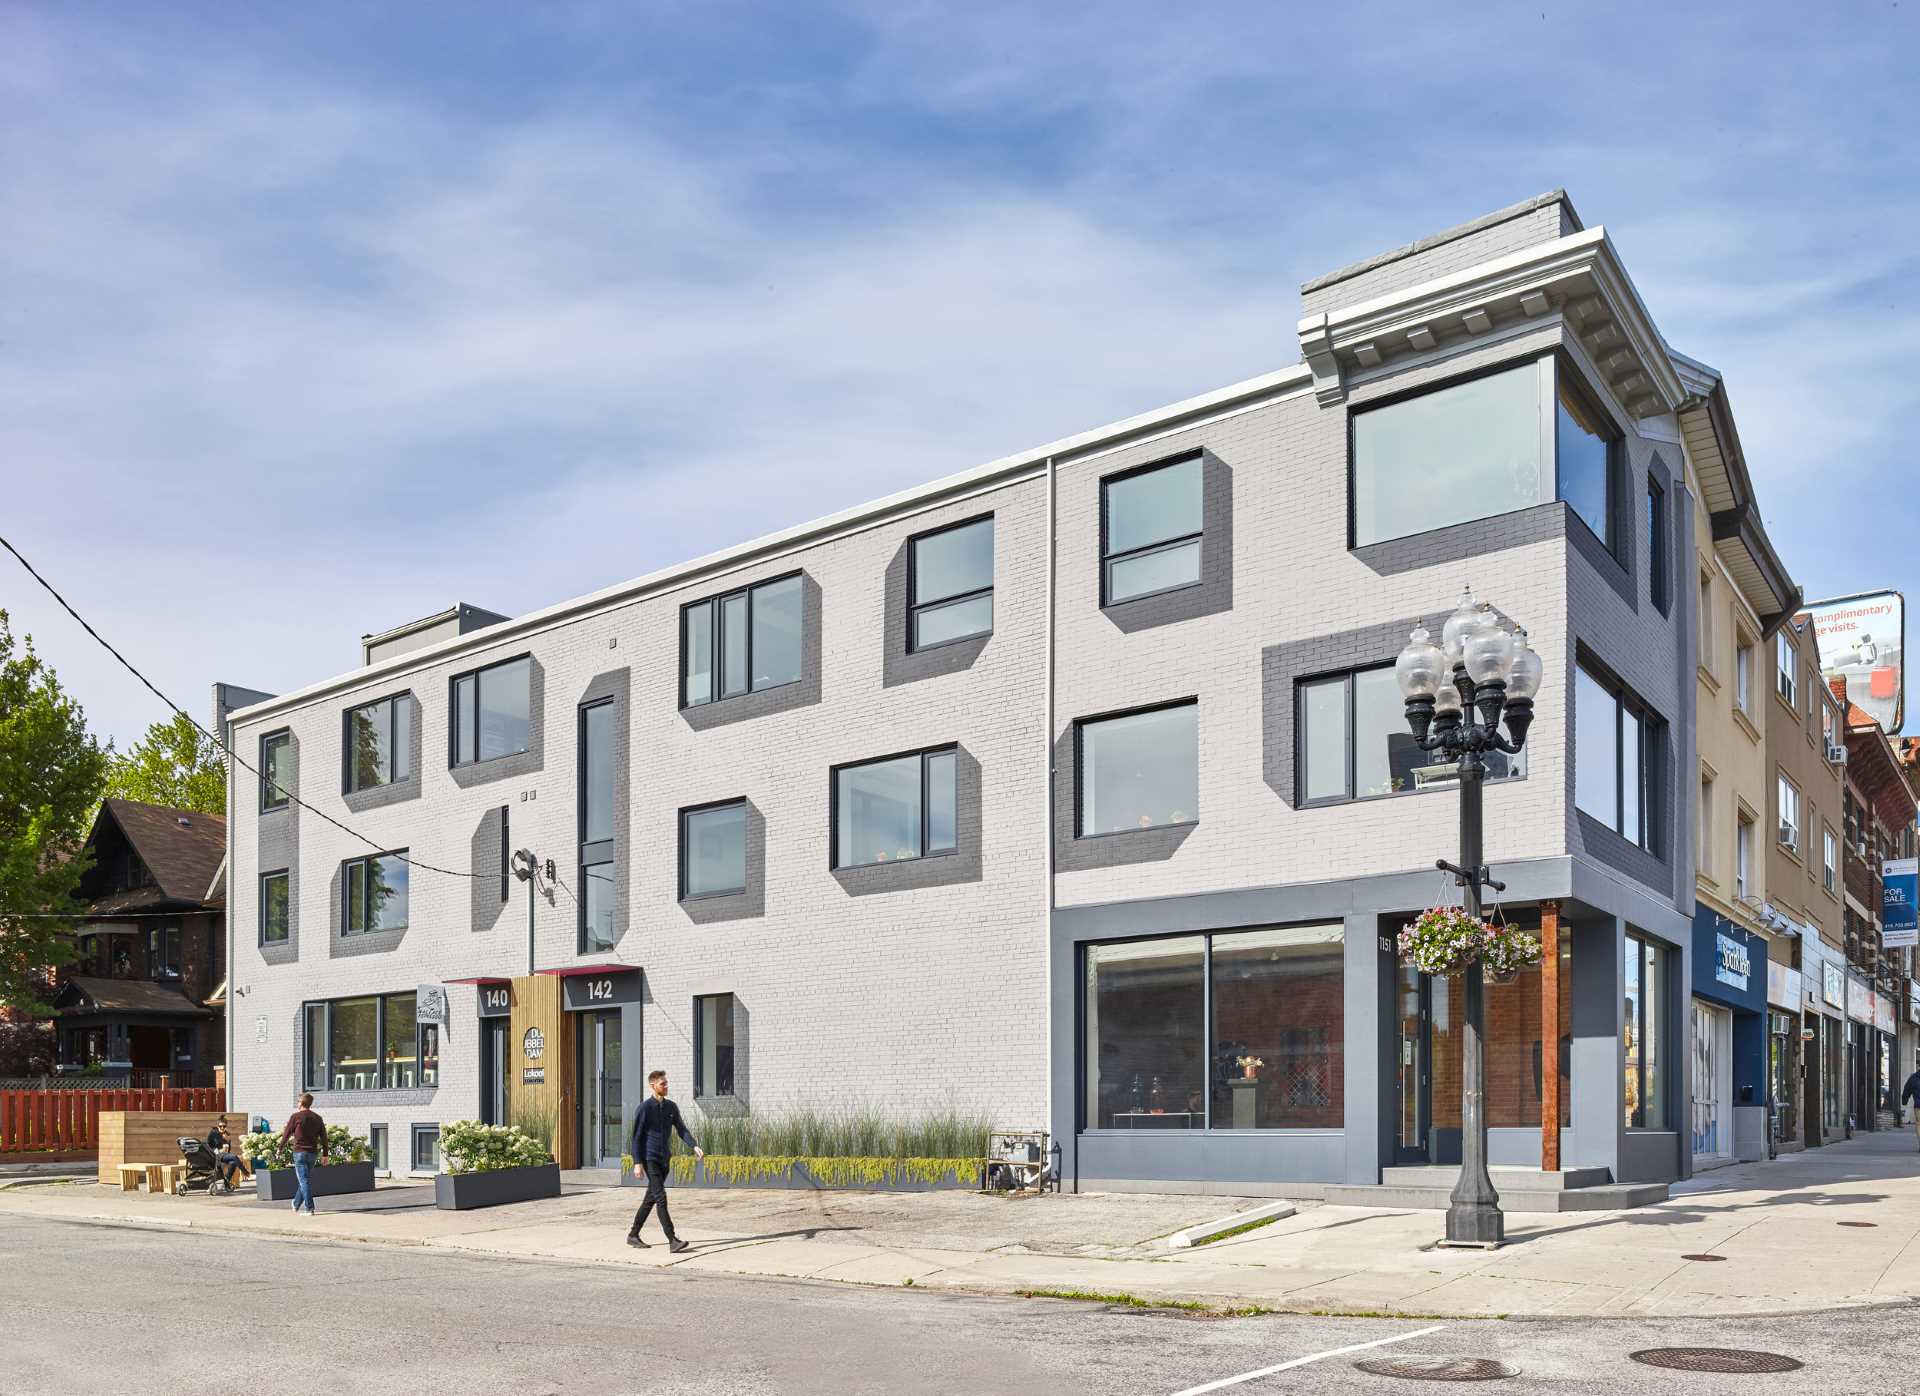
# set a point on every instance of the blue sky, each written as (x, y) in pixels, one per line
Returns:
(314, 319)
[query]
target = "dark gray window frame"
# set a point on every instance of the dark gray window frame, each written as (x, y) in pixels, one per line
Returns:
(1080, 724)
(394, 724)
(686, 813)
(1300, 800)
(325, 1083)
(415, 1134)
(717, 640)
(453, 713)
(379, 1138)
(366, 884)
(1652, 732)
(1108, 558)
(1663, 1017)
(282, 737)
(286, 933)
(164, 953)
(1660, 548)
(506, 854)
(600, 852)
(915, 606)
(833, 806)
(702, 1089)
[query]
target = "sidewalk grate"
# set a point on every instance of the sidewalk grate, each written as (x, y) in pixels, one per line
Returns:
(1740, 1360)
(1438, 1368)
(1856, 1223)
(1703, 1256)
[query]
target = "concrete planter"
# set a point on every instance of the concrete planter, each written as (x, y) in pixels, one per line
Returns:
(801, 1178)
(460, 1192)
(325, 1180)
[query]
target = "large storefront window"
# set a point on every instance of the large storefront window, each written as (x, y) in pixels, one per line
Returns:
(1273, 1058)
(1644, 1034)
(369, 1044)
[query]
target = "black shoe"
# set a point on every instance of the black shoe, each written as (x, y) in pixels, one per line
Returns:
(633, 1239)
(676, 1245)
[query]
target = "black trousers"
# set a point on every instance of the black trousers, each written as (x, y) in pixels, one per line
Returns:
(656, 1197)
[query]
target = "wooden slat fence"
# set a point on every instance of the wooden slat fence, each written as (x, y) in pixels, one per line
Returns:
(68, 1120)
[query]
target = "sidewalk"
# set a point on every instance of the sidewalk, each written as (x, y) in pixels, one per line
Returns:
(1790, 1232)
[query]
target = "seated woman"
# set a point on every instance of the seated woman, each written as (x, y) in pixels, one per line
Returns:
(231, 1164)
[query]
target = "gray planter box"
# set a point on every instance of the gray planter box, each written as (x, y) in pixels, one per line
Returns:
(459, 1192)
(325, 1180)
(800, 1178)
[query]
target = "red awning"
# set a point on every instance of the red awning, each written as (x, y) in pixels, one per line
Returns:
(478, 979)
(568, 971)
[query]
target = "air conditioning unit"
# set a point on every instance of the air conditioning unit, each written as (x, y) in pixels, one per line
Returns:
(1836, 754)
(1790, 836)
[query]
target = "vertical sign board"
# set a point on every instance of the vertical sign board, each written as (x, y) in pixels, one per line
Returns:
(1900, 907)
(1863, 640)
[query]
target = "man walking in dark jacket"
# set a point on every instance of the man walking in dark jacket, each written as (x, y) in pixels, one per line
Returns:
(651, 1147)
(1910, 1095)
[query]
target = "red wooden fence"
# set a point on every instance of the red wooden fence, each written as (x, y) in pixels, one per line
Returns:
(32, 1121)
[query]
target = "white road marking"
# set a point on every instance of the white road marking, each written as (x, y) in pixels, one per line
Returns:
(1303, 1361)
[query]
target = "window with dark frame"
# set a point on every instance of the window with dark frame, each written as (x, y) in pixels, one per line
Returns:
(492, 712)
(506, 854)
(377, 1146)
(1152, 520)
(596, 861)
(275, 923)
(1786, 664)
(276, 770)
(1615, 741)
(1352, 741)
(1137, 770)
(370, 1042)
(426, 1148)
(1659, 565)
(741, 641)
(378, 745)
(713, 1046)
(163, 952)
(374, 892)
(713, 850)
(950, 584)
(896, 809)
(1645, 1056)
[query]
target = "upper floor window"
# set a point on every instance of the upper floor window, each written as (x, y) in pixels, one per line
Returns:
(1487, 445)
(1743, 675)
(713, 1042)
(892, 810)
(1786, 668)
(374, 893)
(1704, 624)
(1707, 859)
(379, 743)
(163, 952)
(1354, 742)
(1789, 814)
(1743, 859)
(274, 920)
(1613, 741)
(950, 584)
(1830, 728)
(1658, 564)
(276, 769)
(596, 827)
(741, 642)
(1150, 529)
(713, 850)
(1138, 770)
(1830, 859)
(492, 711)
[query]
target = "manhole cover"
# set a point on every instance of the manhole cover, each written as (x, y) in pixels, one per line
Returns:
(1438, 1368)
(1856, 1223)
(1741, 1360)
(1703, 1257)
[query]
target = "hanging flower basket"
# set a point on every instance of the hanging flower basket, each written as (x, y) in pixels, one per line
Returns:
(1444, 940)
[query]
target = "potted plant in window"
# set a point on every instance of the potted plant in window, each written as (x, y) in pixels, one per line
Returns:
(1444, 941)
(488, 1165)
(349, 1165)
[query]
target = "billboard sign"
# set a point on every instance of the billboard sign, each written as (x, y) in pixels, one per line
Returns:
(1899, 904)
(1863, 640)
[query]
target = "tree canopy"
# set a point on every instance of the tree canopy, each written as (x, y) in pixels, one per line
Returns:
(51, 773)
(175, 764)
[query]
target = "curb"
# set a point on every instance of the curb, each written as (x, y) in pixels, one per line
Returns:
(1220, 1226)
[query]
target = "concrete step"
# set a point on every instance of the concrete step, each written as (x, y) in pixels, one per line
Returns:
(1521, 1179)
(1603, 1197)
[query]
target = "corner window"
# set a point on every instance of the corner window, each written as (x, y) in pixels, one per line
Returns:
(1138, 770)
(274, 920)
(1786, 668)
(1481, 447)
(596, 827)
(1644, 1031)
(379, 743)
(1150, 530)
(713, 850)
(1613, 740)
(713, 1046)
(1354, 743)
(950, 584)
(1789, 797)
(374, 893)
(897, 809)
(276, 770)
(426, 1148)
(163, 952)
(492, 711)
(1658, 564)
(742, 642)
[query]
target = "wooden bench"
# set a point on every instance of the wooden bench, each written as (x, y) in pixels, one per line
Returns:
(131, 1176)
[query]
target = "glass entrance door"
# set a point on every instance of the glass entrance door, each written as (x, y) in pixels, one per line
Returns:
(493, 1072)
(602, 1134)
(1712, 1086)
(1415, 1111)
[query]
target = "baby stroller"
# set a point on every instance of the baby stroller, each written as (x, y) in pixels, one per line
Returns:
(203, 1169)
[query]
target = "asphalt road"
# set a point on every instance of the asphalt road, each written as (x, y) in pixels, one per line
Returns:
(100, 1308)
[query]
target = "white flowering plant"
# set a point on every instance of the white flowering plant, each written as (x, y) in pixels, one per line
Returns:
(271, 1151)
(467, 1146)
(1444, 940)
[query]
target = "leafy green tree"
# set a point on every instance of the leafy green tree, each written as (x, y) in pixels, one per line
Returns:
(175, 764)
(51, 771)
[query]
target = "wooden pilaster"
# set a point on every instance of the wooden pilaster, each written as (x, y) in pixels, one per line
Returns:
(1550, 1036)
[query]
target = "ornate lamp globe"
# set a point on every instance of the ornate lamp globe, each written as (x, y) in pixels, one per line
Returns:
(1467, 618)
(1421, 666)
(1446, 699)
(1488, 653)
(1526, 671)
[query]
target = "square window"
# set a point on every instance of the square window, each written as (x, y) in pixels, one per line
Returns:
(893, 810)
(379, 743)
(713, 1045)
(754, 636)
(276, 770)
(1354, 742)
(713, 850)
(426, 1148)
(374, 892)
(1139, 770)
(950, 584)
(492, 711)
(1151, 522)
(274, 918)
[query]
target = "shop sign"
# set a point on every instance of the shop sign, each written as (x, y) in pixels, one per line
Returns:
(1833, 984)
(533, 1076)
(1883, 1013)
(1899, 904)
(430, 1004)
(1783, 986)
(1732, 966)
(533, 1044)
(496, 1000)
(1859, 1000)
(610, 990)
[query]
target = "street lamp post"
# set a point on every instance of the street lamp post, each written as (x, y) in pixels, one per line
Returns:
(1457, 692)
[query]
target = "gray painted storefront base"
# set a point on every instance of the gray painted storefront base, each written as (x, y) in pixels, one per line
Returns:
(1598, 906)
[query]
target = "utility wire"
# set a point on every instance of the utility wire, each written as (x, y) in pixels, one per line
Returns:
(224, 746)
